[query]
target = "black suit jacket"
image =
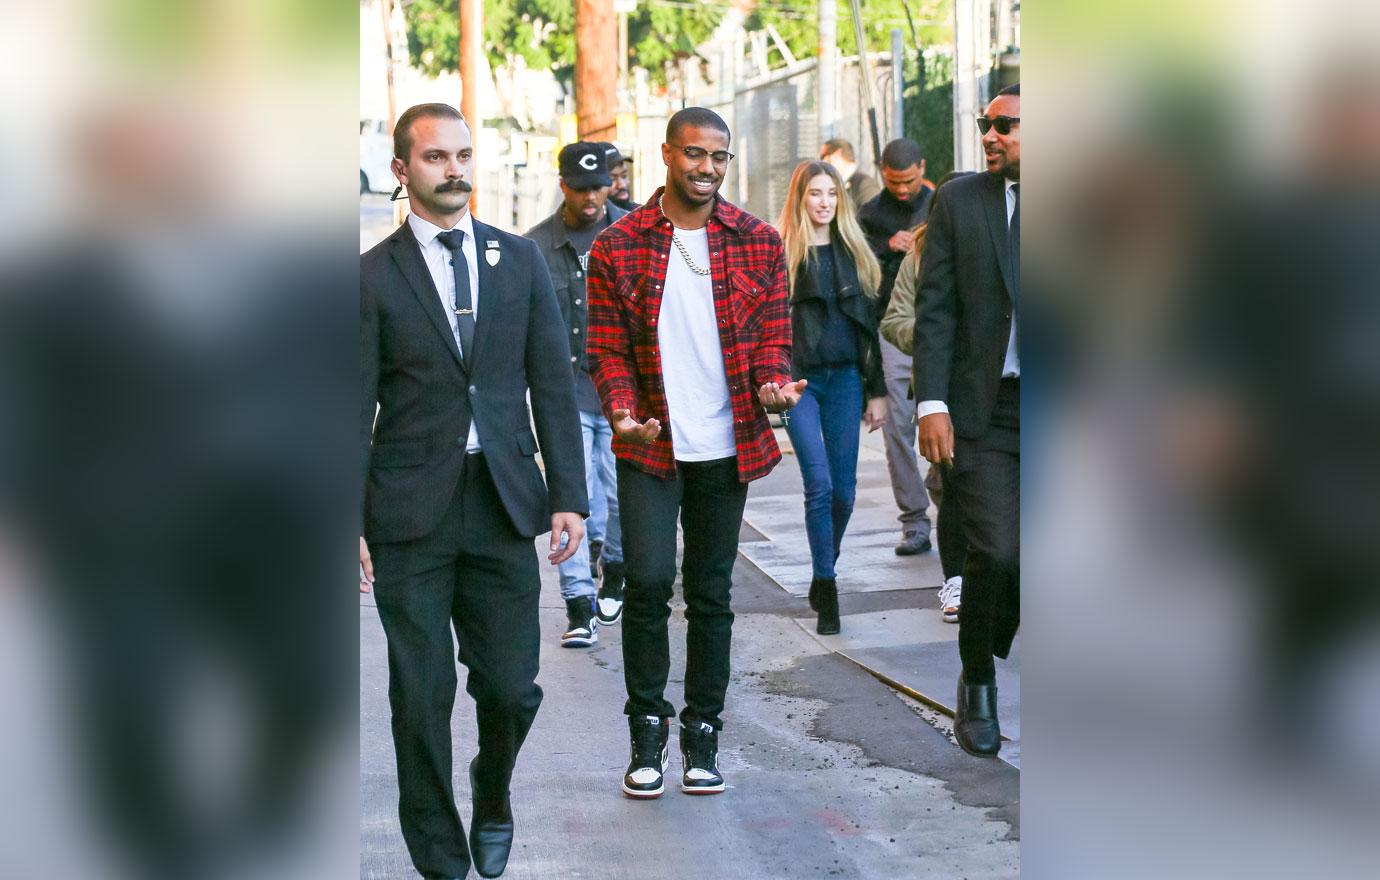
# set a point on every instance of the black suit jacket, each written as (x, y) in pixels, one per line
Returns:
(411, 372)
(963, 308)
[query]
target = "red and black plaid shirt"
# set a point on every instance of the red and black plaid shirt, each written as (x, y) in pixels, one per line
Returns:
(627, 271)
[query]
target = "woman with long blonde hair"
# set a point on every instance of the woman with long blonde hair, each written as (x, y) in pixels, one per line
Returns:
(834, 315)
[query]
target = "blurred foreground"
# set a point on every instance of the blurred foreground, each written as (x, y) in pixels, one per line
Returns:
(177, 377)
(1202, 661)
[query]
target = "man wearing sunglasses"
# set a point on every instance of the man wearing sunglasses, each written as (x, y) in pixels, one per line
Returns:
(967, 379)
(689, 343)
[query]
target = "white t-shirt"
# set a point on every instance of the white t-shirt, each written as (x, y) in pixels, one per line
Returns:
(692, 361)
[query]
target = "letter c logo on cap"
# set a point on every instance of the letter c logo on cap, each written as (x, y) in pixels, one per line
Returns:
(588, 161)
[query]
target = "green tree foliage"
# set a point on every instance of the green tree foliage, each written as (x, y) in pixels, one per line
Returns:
(928, 107)
(662, 32)
(659, 31)
(797, 21)
(541, 31)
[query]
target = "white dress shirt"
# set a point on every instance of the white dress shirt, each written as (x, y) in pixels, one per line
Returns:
(438, 263)
(1011, 368)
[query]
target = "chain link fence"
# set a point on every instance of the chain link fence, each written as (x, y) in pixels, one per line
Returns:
(775, 125)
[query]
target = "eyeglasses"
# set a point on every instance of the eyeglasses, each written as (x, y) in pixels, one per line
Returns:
(697, 154)
(1001, 123)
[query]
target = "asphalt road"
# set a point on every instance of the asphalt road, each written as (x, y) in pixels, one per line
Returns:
(830, 772)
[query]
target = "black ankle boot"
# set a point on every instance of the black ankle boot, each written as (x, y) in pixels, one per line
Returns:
(828, 607)
(814, 593)
(975, 720)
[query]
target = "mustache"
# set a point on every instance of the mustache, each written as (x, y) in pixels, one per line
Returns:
(455, 186)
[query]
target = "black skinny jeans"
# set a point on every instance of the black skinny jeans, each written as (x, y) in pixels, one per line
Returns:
(709, 500)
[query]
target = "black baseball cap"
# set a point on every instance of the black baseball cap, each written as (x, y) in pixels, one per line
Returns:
(584, 165)
(615, 158)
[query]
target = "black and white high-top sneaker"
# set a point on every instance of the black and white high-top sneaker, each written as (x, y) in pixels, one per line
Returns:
(610, 598)
(582, 628)
(650, 754)
(699, 751)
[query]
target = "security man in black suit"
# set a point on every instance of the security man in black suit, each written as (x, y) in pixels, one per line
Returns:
(458, 323)
(967, 379)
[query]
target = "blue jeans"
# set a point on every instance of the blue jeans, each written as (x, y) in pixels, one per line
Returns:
(600, 479)
(824, 430)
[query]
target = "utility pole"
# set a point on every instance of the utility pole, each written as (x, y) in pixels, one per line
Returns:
(1006, 26)
(972, 72)
(386, 9)
(596, 80)
(826, 71)
(865, 70)
(898, 85)
(471, 45)
(623, 8)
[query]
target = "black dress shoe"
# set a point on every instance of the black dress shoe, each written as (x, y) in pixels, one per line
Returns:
(975, 723)
(491, 835)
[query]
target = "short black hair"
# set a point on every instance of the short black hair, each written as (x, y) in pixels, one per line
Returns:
(952, 175)
(1011, 90)
(900, 154)
(402, 132)
(695, 117)
(838, 145)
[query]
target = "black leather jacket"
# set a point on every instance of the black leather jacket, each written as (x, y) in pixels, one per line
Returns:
(808, 313)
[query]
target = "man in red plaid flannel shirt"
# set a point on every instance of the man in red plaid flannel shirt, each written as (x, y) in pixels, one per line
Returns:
(689, 345)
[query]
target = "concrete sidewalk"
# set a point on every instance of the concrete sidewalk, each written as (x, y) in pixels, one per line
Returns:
(830, 772)
(888, 604)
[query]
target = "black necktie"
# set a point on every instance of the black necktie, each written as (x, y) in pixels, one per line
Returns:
(1014, 236)
(1015, 233)
(464, 306)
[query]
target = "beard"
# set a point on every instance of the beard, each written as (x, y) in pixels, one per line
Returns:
(692, 195)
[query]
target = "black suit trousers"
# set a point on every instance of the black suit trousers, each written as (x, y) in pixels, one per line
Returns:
(474, 573)
(986, 483)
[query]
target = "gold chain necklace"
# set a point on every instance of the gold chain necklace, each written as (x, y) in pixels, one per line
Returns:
(680, 246)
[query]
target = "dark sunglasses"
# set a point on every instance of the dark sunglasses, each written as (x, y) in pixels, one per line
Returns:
(697, 154)
(1001, 123)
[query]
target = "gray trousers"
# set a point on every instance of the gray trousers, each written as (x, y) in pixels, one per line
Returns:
(899, 435)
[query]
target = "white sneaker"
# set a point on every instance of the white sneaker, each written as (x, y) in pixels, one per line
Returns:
(950, 598)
